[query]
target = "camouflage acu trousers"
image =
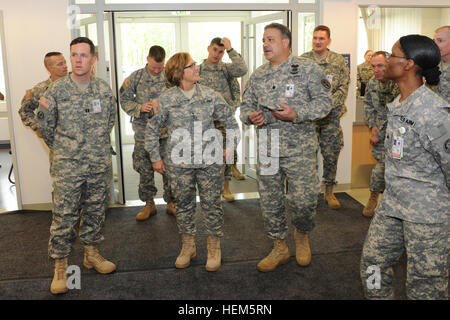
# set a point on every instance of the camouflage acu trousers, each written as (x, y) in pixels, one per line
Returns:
(300, 199)
(209, 181)
(142, 164)
(377, 176)
(92, 192)
(427, 250)
(331, 141)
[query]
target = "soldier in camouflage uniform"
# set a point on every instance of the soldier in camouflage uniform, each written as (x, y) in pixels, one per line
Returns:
(300, 88)
(380, 92)
(414, 210)
(363, 74)
(136, 94)
(56, 65)
(187, 110)
(331, 139)
(75, 117)
(221, 77)
(442, 39)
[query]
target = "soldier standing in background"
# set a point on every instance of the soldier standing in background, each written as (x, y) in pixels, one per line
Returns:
(136, 94)
(221, 77)
(363, 74)
(298, 88)
(75, 117)
(56, 65)
(380, 92)
(442, 40)
(331, 139)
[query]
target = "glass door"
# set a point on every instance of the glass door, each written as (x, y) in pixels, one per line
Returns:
(254, 55)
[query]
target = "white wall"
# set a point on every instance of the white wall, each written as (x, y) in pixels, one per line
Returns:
(32, 29)
(342, 18)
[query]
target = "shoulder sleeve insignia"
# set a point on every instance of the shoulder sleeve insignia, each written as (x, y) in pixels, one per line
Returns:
(126, 83)
(326, 84)
(156, 108)
(45, 103)
(40, 115)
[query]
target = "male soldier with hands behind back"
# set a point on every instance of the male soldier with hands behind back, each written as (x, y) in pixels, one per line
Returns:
(75, 117)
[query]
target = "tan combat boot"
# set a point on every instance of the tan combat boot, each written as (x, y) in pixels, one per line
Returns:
(333, 203)
(188, 251)
(302, 249)
(279, 255)
(236, 173)
(170, 208)
(59, 283)
(369, 209)
(227, 194)
(93, 259)
(148, 210)
(214, 254)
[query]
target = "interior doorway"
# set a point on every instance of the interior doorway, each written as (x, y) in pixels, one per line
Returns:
(128, 36)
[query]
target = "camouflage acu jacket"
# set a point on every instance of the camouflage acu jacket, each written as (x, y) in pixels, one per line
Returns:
(336, 72)
(221, 77)
(375, 100)
(30, 103)
(418, 182)
(77, 124)
(299, 83)
(190, 127)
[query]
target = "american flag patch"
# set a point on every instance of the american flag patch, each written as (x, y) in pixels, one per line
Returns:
(45, 103)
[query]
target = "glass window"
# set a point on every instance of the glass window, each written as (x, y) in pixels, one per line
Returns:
(306, 1)
(201, 34)
(306, 25)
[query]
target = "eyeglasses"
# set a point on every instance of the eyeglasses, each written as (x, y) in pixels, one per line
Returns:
(390, 55)
(191, 65)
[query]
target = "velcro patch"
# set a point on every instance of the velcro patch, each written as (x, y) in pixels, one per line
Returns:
(45, 103)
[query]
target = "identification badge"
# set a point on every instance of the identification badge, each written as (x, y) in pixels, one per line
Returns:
(329, 78)
(289, 93)
(96, 107)
(397, 148)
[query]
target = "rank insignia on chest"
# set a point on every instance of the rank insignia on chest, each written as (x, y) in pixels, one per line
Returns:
(294, 69)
